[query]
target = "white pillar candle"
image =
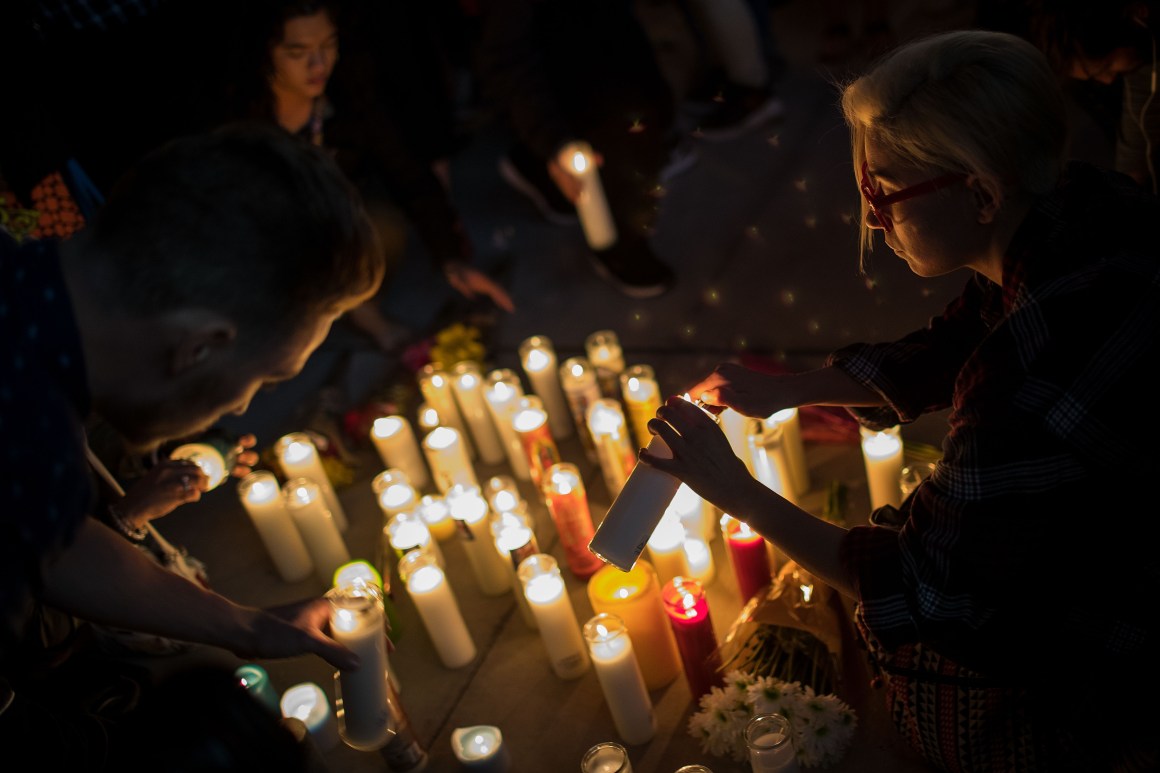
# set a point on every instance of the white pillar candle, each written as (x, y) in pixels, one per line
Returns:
(614, 449)
(480, 749)
(447, 456)
(470, 511)
(695, 513)
(316, 525)
(405, 532)
(699, 560)
(544, 588)
(591, 204)
(436, 604)
(435, 386)
(799, 470)
(642, 398)
(262, 497)
(394, 493)
(467, 384)
(356, 622)
(538, 357)
(206, 457)
(607, 357)
(882, 453)
(620, 678)
(736, 428)
(299, 458)
(395, 441)
(578, 379)
(515, 541)
(769, 459)
(436, 514)
(666, 548)
(308, 702)
(502, 391)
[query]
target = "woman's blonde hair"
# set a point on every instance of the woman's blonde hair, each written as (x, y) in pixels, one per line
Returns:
(970, 101)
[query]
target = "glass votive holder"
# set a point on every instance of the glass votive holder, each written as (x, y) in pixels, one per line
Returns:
(914, 474)
(606, 757)
(770, 745)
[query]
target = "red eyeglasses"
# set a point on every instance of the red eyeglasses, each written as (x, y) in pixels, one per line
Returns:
(879, 204)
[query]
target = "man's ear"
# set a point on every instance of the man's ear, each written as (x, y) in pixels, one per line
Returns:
(196, 336)
(988, 201)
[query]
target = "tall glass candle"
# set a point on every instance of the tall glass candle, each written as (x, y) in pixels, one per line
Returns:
(578, 378)
(882, 454)
(699, 564)
(695, 513)
(470, 511)
(515, 541)
(531, 425)
(621, 681)
(769, 461)
(666, 548)
(770, 744)
(607, 357)
(642, 398)
(450, 463)
(736, 427)
(299, 458)
(548, 598)
(436, 604)
(692, 625)
(395, 442)
(356, 622)
(635, 597)
(394, 492)
(436, 514)
(748, 555)
(799, 471)
(262, 497)
(435, 386)
(406, 532)
(591, 204)
(315, 523)
(502, 390)
(467, 384)
(308, 702)
(538, 357)
(567, 502)
(612, 439)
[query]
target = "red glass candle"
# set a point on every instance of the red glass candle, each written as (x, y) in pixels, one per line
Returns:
(568, 504)
(748, 554)
(688, 612)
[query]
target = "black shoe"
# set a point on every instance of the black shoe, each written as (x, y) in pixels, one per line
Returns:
(633, 269)
(528, 175)
(740, 109)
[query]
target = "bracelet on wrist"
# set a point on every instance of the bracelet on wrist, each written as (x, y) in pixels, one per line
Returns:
(122, 525)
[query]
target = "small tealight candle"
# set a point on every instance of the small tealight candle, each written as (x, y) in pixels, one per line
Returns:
(480, 748)
(397, 447)
(467, 384)
(607, 357)
(502, 390)
(607, 757)
(538, 357)
(450, 464)
(767, 736)
(257, 683)
(299, 458)
(206, 457)
(882, 454)
(308, 702)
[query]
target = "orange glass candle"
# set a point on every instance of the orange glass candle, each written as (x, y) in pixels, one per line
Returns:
(567, 502)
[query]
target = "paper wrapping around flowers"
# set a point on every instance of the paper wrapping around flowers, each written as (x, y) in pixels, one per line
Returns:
(782, 607)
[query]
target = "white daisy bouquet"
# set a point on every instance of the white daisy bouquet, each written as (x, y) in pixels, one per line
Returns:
(821, 726)
(781, 656)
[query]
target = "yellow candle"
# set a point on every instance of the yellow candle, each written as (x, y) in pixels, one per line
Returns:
(436, 514)
(642, 398)
(635, 597)
(397, 447)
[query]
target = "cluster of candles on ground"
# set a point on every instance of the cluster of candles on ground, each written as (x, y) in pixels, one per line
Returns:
(429, 493)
